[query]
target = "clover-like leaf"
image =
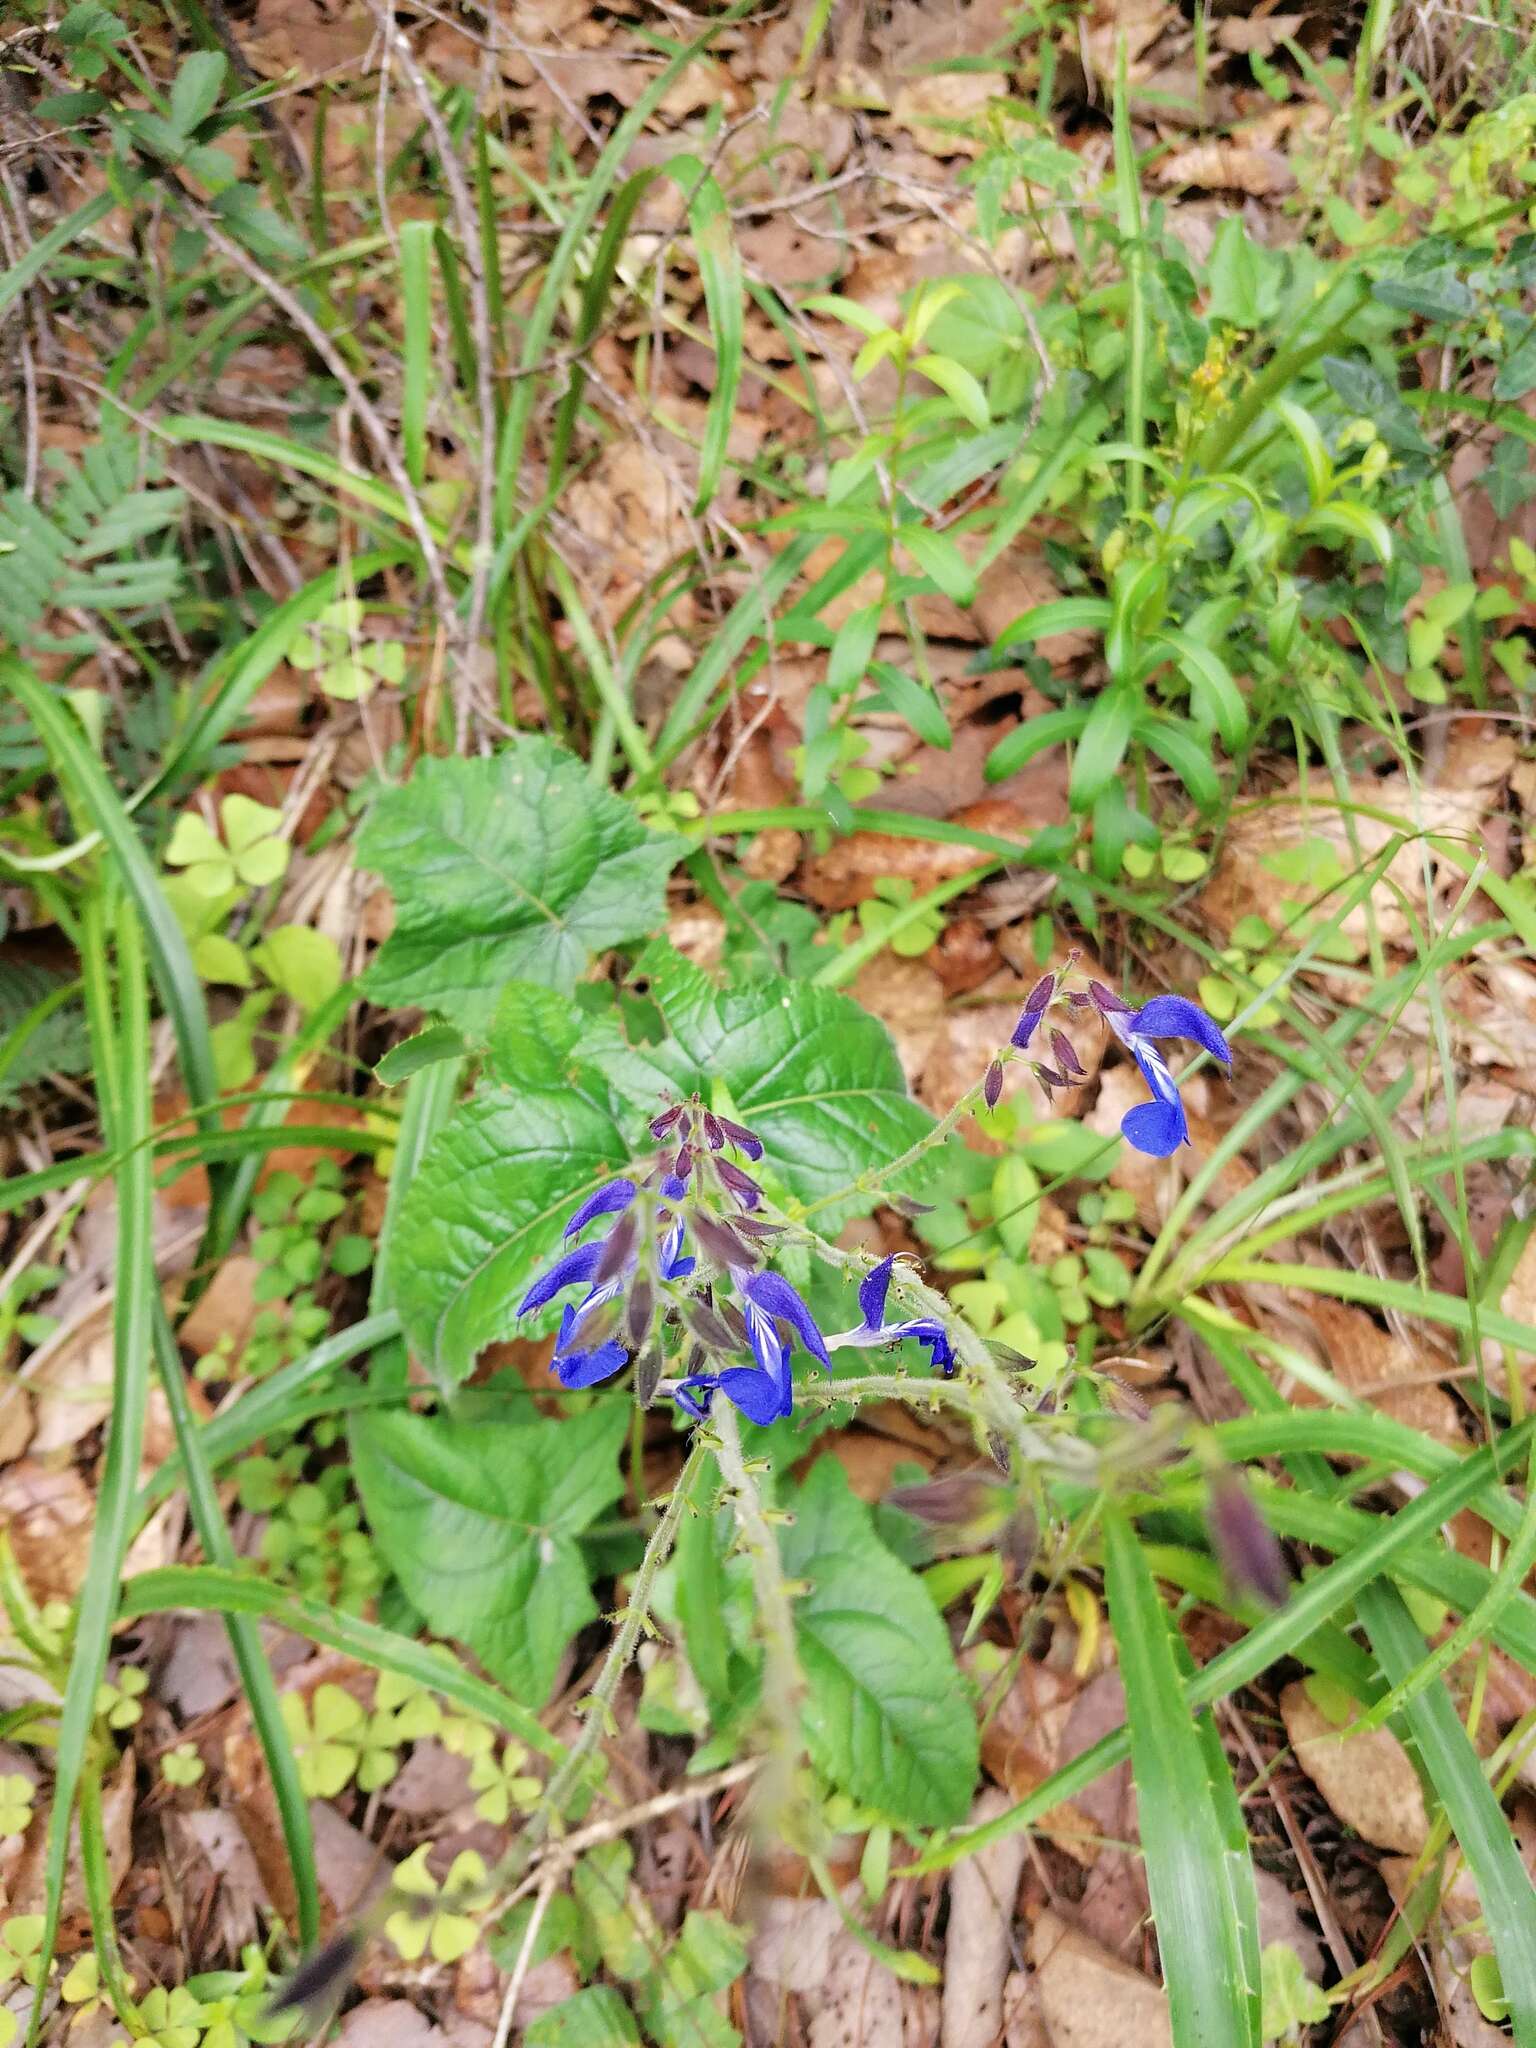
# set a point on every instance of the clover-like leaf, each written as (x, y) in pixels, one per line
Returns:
(326, 1737)
(431, 1921)
(513, 866)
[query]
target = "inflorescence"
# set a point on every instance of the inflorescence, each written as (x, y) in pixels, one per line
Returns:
(679, 1273)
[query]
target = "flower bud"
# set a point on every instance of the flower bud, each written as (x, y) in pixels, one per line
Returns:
(1066, 1054)
(618, 1249)
(992, 1086)
(1248, 1548)
(660, 1125)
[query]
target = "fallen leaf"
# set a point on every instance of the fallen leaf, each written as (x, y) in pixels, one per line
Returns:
(1377, 1364)
(792, 1945)
(1227, 167)
(1367, 1778)
(226, 1308)
(29, 1883)
(943, 109)
(1088, 1998)
(70, 1375)
(983, 1895)
(48, 1515)
(858, 2002)
(1251, 877)
(1242, 33)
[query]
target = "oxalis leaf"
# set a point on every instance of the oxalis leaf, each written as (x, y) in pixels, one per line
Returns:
(813, 1073)
(887, 1717)
(512, 866)
(480, 1520)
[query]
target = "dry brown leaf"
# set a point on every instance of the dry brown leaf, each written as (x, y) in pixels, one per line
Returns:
(869, 1462)
(908, 998)
(48, 1515)
(70, 1375)
(313, 37)
(1375, 1363)
(1367, 1778)
(29, 1883)
(791, 1947)
(942, 109)
(1088, 1998)
(1242, 33)
(858, 2003)
(1227, 167)
(225, 1309)
(983, 1896)
(1244, 885)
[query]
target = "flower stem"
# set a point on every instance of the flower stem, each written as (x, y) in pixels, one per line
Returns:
(599, 1702)
(782, 1682)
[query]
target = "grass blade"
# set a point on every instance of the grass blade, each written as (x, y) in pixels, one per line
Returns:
(1200, 1880)
(1503, 1882)
(214, 1590)
(1308, 1608)
(120, 1045)
(244, 1638)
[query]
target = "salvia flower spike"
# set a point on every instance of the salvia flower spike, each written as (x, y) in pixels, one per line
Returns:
(579, 1361)
(762, 1391)
(1160, 1126)
(875, 1330)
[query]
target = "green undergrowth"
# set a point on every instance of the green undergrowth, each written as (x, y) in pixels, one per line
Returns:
(1235, 475)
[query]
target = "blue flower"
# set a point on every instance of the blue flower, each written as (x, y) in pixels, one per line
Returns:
(874, 1329)
(1160, 1126)
(764, 1392)
(573, 1364)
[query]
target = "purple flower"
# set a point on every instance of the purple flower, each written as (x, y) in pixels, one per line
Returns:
(874, 1329)
(764, 1392)
(1036, 1003)
(582, 1364)
(607, 1201)
(1160, 1126)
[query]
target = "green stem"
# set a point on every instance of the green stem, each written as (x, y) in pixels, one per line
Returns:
(620, 1651)
(783, 1685)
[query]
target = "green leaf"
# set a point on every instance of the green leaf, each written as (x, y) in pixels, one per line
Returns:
(1200, 1881)
(1240, 276)
(302, 962)
(512, 866)
(531, 1037)
(479, 1522)
(808, 1069)
(1049, 729)
(219, 959)
(958, 384)
(594, 2018)
(196, 91)
(421, 1049)
(1104, 740)
(941, 561)
(1517, 372)
(488, 1199)
(678, 2000)
(914, 701)
(887, 1717)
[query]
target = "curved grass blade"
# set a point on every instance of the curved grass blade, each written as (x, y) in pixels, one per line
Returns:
(1313, 1602)
(213, 1590)
(268, 1404)
(244, 1638)
(1503, 1883)
(181, 991)
(120, 1046)
(1201, 1881)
